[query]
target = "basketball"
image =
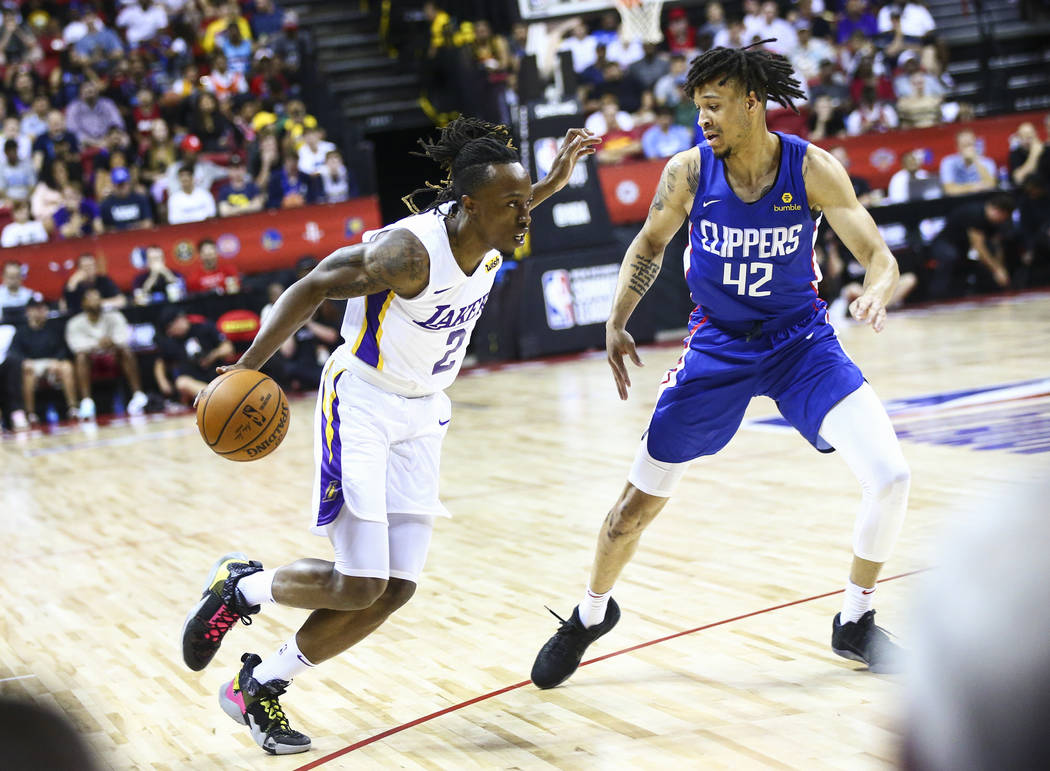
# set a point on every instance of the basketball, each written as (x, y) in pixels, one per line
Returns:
(242, 415)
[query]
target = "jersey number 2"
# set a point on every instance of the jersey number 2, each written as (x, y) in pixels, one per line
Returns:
(455, 339)
(740, 279)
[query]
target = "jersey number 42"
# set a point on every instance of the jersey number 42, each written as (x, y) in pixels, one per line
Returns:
(748, 277)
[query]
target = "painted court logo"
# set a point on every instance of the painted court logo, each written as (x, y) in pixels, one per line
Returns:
(787, 198)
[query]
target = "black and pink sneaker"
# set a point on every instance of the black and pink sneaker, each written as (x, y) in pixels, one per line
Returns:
(220, 607)
(255, 705)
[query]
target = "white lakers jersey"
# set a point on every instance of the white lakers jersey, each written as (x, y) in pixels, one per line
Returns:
(415, 347)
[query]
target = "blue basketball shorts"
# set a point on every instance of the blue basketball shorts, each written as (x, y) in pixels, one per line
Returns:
(703, 398)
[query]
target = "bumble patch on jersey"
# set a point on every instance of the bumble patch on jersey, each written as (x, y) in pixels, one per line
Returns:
(492, 264)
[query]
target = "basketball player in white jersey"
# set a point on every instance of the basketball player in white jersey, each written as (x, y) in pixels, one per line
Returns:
(416, 289)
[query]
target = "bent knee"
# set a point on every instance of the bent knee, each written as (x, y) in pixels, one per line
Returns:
(398, 593)
(354, 592)
(894, 479)
(630, 516)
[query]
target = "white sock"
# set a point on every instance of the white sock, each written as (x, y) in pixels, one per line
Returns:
(288, 662)
(592, 609)
(855, 603)
(258, 587)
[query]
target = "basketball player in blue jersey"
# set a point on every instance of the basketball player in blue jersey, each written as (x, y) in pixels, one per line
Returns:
(417, 288)
(754, 200)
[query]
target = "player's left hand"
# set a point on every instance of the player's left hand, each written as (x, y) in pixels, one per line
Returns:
(869, 308)
(578, 143)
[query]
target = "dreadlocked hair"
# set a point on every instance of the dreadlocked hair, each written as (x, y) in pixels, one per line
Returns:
(464, 151)
(769, 75)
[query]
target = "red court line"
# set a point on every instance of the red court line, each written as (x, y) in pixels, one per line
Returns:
(426, 718)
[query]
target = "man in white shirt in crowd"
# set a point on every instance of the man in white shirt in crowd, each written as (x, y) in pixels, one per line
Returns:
(22, 230)
(313, 151)
(96, 332)
(142, 21)
(582, 46)
(190, 203)
(916, 19)
(770, 25)
(14, 296)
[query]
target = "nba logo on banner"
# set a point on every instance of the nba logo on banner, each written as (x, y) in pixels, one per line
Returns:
(557, 297)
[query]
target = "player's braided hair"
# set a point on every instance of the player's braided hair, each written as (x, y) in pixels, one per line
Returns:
(464, 150)
(768, 74)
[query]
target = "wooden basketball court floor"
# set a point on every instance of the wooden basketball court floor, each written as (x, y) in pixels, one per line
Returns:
(107, 536)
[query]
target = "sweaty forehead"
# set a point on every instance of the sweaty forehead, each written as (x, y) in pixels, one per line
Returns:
(508, 179)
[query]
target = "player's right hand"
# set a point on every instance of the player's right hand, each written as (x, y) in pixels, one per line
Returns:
(619, 343)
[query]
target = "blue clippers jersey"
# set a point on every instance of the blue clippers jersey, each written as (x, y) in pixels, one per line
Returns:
(752, 262)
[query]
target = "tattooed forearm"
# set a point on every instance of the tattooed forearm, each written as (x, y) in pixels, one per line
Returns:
(643, 273)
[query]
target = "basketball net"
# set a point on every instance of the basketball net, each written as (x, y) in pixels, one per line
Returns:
(641, 19)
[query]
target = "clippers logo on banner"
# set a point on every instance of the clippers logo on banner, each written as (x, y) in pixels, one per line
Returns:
(577, 297)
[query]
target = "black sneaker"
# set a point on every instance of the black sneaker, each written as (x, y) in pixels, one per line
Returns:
(561, 654)
(255, 705)
(220, 606)
(862, 641)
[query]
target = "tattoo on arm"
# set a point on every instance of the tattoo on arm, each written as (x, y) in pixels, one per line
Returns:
(348, 277)
(692, 177)
(643, 273)
(399, 261)
(668, 182)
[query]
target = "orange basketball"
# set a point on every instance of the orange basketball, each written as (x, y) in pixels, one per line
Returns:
(243, 415)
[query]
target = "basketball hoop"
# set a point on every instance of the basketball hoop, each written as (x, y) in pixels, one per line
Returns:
(641, 19)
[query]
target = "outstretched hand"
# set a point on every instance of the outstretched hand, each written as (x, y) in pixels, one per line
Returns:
(869, 308)
(578, 143)
(619, 343)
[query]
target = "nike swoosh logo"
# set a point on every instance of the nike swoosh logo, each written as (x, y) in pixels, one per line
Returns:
(439, 291)
(708, 203)
(444, 422)
(867, 591)
(809, 335)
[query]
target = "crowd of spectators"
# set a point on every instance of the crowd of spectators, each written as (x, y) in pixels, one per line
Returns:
(127, 114)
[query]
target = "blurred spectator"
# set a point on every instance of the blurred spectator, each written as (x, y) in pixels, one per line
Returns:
(595, 72)
(188, 353)
(141, 21)
(91, 116)
(680, 35)
(865, 75)
(189, 203)
(85, 277)
(98, 333)
(663, 139)
(337, 183)
(13, 130)
(1028, 155)
(769, 26)
(22, 230)
(213, 274)
(829, 83)
(856, 18)
(966, 171)
(871, 116)
(668, 89)
(293, 46)
(919, 109)
(230, 16)
(861, 186)
(1034, 230)
(14, 296)
(626, 89)
(55, 144)
(78, 216)
(157, 283)
(808, 12)
(44, 359)
(144, 114)
(267, 82)
(969, 250)
(238, 51)
(908, 62)
(124, 208)
(77, 26)
(21, 90)
(266, 20)
(17, 176)
(620, 49)
(296, 121)
(313, 151)
(825, 120)
(580, 44)
(714, 20)
(207, 123)
(46, 197)
(650, 68)
(205, 173)
(159, 153)
(34, 120)
(265, 159)
(809, 52)
(912, 182)
(99, 49)
(17, 42)
(915, 20)
(289, 188)
(240, 194)
(609, 117)
(608, 30)
(223, 81)
(646, 112)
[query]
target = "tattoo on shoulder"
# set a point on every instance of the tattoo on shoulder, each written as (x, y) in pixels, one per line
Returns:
(668, 182)
(692, 177)
(402, 259)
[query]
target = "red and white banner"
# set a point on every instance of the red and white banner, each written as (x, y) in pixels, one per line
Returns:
(268, 240)
(628, 188)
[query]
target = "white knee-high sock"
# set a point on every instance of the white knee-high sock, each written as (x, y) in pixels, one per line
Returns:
(592, 608)
(285, 664)
(257, 589)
